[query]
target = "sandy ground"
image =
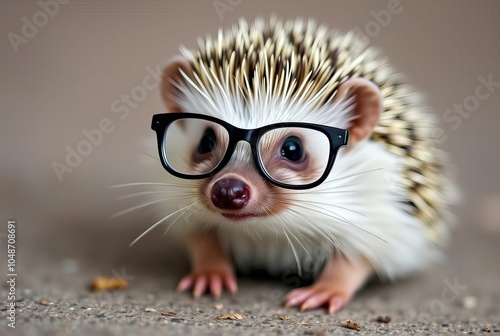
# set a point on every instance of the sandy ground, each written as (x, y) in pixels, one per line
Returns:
(53, 296)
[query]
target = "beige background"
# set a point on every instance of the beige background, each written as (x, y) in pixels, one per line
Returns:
(65, 79)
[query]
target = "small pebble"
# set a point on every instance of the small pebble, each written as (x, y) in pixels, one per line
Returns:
(218, 306)
(44, 302)
(469, 302)
(487, 329)
(384, 319)
(150, 310)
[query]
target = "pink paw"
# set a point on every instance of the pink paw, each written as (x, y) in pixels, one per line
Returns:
(213, 281)
(318, 295)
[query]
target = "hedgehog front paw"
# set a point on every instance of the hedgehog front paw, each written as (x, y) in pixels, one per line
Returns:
(318, 295)
(212, 281)
(337, 284)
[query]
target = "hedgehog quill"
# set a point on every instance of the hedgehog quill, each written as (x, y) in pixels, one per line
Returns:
(295, 142)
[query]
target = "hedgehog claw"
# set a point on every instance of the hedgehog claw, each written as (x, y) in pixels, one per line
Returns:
(214, 282)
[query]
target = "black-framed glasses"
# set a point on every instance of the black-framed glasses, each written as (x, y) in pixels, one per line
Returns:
(292, 155)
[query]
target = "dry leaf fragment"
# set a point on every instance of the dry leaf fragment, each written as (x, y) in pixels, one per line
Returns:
(101, 283)
(283, 317)
(44, 302)
(167, 313)
(487, 329)
(384, 319)
(230, 317)
(353, 325)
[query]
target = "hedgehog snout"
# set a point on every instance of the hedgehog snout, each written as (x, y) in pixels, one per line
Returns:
(230, 194)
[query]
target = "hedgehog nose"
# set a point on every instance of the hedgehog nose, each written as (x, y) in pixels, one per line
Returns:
(230, 194)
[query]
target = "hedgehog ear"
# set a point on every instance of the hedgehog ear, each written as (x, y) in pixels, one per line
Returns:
(367, 100)
(171, 76)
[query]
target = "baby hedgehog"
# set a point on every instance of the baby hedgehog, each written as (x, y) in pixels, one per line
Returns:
(257, 123)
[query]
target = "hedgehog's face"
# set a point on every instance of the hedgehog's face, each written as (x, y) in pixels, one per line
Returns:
(297, 156)
(242, 187)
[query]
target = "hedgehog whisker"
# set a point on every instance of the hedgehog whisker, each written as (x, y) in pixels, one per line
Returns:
(335, 242)
(299, 266)
(256, 231)
(123, 212)
(336, 216)
(159, 222)
(149, 193)
(335, 206)
(199, 209)
(325, 192)
(298, 240)
(304, 235)
(180, 185)
(330, 236)
(332, 214)
(352, 175)
(146, 153)
(188, 208)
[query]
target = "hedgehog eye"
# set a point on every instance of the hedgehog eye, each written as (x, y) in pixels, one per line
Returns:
(292, 149)
(208, 142)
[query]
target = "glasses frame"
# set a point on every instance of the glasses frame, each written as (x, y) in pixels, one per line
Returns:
(337, 137)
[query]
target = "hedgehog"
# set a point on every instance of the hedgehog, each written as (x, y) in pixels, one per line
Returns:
(299, 150)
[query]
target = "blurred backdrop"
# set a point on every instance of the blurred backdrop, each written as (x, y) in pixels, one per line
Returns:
(81, 77)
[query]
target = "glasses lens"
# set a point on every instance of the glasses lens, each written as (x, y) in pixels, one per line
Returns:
(194, 146)
(294, 155)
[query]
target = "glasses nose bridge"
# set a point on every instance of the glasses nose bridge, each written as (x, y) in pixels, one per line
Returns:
(241, 134)
(245, 135)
